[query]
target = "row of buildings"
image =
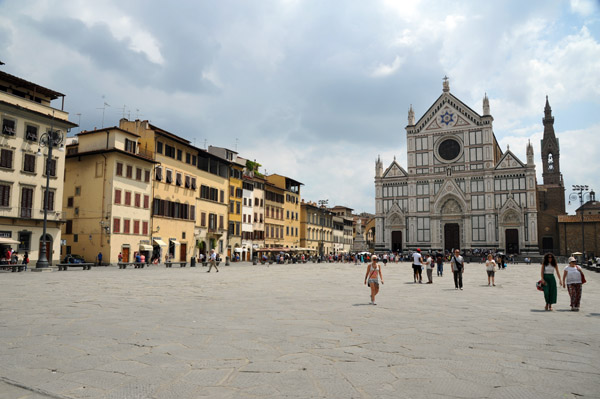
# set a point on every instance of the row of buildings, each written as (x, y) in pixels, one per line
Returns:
(137, 187)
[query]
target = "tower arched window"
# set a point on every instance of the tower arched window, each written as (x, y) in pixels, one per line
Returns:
(550, 162)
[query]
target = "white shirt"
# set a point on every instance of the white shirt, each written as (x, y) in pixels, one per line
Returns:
(459, 259)
(429, 263)
(573, 275)
(490, 265)
(417, 259)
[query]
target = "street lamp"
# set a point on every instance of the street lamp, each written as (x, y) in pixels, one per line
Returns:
(579, 192)
(52, 138)
(322, 205)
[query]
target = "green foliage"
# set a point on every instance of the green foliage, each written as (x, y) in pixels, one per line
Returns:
(253, 166)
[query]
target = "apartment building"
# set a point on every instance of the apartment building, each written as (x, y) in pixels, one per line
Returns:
(107, 196)
(291, 209)
(28, 117)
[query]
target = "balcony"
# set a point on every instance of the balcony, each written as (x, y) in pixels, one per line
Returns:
(31, 213)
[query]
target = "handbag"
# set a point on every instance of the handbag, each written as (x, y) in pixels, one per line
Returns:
(583, 280)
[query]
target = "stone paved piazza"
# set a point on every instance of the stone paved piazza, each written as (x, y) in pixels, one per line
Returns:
(293, 331)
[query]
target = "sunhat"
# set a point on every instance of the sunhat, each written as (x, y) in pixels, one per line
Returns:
(572, 259)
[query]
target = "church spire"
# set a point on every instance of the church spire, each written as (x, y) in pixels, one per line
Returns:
(550, 150)
(411, 116)
(486, 105)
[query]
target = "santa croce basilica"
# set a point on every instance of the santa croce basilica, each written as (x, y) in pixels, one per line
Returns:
(460, 189)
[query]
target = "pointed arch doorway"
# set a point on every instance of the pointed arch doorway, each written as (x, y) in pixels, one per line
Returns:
(397, 241)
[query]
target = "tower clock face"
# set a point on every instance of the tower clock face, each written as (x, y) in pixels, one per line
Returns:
(449, 149)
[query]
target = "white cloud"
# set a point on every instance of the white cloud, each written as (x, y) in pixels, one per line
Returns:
(583, 7)
(384, 70)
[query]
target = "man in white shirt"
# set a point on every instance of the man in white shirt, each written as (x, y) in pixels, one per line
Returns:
(212, 261)
(458, 268)
(417, 266)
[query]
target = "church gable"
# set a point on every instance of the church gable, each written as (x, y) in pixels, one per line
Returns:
(448, 112)
(395, 170)
(509, 161)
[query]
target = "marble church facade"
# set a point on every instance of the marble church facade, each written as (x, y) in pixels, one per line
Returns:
(459, 189)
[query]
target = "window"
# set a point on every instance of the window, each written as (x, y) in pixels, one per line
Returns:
(159, 147)
(476, 154)
(138, 174)
(50, 200)
(237, 207)
(193, 184)
(222, 196)
(126, 223)
(146, 176)
(78, 190)
(51, 167)
(8, 127)
(478, 228)
(130, 146)
(239, 193)
(116, 225)
(194, 160)
(231, 206)
(158, 176)
(127, 197)
(169, 178)
(24, 240)
(146, 201)
(169, 151)
(31, 133)
(137, 200)
(221, 221)
(145, 228)
(136, 227)
(422, 204)
(423, 232)
(4, 195)
(6, 158)
(179, 154)
(231, 191)
(187, 181)
(422, 158)
(245, 202)
(475, 138)
(188, 157)
(477, 186)
(477, 202)
(119, 171)
(203, 219)
(255, 201)
(29, 163)
(26, 201)
(117, 197)
(422, 188)
(287, 230)
(70, 202)
(69, 227)
(420, 143)
(129, 171)
(178, 179)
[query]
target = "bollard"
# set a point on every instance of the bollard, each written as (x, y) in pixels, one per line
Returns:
(227, 261)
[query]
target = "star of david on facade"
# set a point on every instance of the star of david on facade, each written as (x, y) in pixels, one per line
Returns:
(447, 118)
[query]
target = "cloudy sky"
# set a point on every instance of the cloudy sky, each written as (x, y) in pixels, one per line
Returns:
(314, 89)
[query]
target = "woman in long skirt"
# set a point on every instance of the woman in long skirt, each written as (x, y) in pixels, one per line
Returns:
(549, 267)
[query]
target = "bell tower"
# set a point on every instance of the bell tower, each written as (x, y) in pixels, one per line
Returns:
(550, 150)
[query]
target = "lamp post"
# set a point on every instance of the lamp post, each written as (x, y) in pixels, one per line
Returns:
(52, 138)
(579, 192)
(322, 205)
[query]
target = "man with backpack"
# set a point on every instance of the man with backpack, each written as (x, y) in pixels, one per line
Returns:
(458, 268)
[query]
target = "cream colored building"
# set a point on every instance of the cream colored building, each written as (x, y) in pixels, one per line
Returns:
(291, 209)
(26, 115)
(316, 231)
(347, 220)
(107, 196)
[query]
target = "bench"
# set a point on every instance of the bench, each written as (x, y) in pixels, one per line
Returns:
(136, 265)
(181, 264)
(65, 266)
(13, 267)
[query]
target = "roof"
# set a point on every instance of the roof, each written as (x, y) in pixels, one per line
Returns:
(169, 135)
(24, 84)
(56, 120)
(577, 218)
(287, 178)
(104, 151)
(85, 132)
(589, 206)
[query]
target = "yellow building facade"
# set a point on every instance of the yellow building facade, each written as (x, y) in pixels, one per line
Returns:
(274, 220)
(291, 209)
(107, 196)
(26, 116)
(174, 190)
(316, 228)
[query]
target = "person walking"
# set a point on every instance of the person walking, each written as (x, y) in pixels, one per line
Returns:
(429, 264)
(25, 260)
(458, 268)
(120, 257)
(99, 257)
(212, 261)
(440, 265)
(490, 267)
(572, 281)
(549, 267)
(372, 278)
(417, 266)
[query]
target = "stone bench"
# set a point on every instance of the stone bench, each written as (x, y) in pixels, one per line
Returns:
(136, 265)
(181, 264)
(13, 267)
(65, 266)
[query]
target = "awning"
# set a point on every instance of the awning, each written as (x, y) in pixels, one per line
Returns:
(160, 243)
(240, 250)
(175, 242)
(145, 247)
(6, 240)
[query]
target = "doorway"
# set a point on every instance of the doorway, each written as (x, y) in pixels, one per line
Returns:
(451, 236)
(125, 253)
(397, 241)
(182, 252)
(512, 241)
(547, 245)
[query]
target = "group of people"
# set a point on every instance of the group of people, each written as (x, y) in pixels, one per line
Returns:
(572, 278)
(11, 257)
